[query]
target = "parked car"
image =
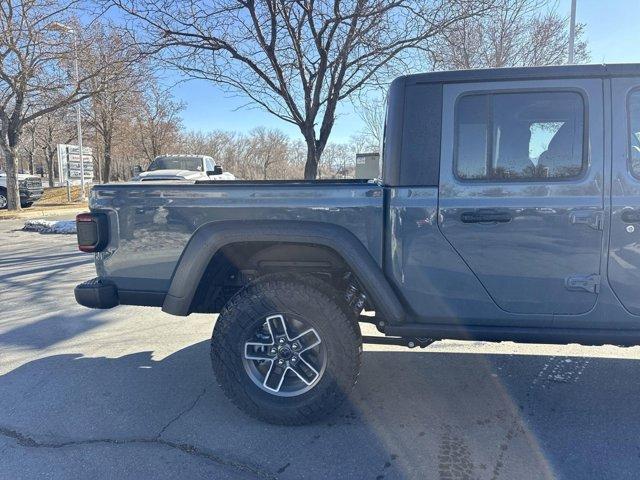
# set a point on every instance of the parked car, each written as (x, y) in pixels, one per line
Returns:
(509, 209)
(30, 188)
(183, 167)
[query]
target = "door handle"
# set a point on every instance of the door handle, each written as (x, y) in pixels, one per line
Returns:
(485, 216)
(630, 216)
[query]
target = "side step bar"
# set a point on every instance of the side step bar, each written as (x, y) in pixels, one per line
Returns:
(401, 341)
(546, 335)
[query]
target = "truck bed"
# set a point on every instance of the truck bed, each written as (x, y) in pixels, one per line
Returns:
(151, 223)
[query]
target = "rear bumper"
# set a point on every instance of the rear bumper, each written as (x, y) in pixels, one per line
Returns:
(97, 293)
(103, 293)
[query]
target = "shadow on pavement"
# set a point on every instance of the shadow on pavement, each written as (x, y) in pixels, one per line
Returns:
(412, 415)
(50, 330)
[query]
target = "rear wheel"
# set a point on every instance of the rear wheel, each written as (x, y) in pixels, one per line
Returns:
(3, 198)
(286, 349)
(26, 204)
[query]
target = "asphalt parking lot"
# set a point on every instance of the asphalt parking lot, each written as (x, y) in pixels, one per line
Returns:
(129, 393)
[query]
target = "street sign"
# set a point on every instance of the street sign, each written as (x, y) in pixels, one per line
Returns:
(69, 163)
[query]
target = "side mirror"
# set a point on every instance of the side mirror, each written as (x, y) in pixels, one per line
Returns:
(137, 169)
(217, 170)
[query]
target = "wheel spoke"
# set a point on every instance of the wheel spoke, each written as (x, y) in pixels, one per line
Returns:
(277, 326)
(275, 377)
(308, 339)
(284, 363)
(306, 372)
(257, 351)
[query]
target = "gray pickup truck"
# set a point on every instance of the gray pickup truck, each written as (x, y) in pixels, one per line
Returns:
(508, 209)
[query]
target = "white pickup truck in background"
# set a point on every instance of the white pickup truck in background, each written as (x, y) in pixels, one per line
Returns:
(183, 167)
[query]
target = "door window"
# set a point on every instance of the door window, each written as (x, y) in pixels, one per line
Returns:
(634, 132)
(519, 136)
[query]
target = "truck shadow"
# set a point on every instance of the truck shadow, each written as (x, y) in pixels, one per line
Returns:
(412, 415)
(52, 329)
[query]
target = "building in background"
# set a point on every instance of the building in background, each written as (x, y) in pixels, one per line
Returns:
(368, 165)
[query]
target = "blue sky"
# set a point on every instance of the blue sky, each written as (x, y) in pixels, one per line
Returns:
(612, 31)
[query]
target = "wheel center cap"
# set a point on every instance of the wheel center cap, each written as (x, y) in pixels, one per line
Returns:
(285, 352)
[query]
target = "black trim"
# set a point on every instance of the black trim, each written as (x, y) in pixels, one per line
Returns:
(143, 298)
(210, 237)
(97, 293)
(102, 293)
(545, 335)
(526, 73)
(421, 135)
(302, 183)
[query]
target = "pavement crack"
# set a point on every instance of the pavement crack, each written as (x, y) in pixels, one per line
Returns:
(183, 412)
(27, 441)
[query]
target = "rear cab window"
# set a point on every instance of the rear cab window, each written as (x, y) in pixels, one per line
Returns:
(524, 136)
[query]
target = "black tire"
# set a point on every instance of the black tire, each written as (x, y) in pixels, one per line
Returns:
(26, 204)
(320, 307)
(3, 199)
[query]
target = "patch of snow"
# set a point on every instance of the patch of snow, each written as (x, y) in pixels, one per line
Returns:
(50, 226)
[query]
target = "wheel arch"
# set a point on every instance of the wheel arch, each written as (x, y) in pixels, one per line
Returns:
(304, 245)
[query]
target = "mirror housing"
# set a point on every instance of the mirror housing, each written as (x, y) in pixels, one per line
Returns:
(137, 170)
(217, 170)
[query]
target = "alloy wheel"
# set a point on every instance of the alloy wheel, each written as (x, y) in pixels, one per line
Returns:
(284, 356)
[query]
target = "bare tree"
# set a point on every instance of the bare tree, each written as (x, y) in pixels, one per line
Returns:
(371, 106)
(158, 122)
(51, 129)
(513, 33)
(29, 146)
(114, 101)
(267, 150)
(34, 73)
(297, 59)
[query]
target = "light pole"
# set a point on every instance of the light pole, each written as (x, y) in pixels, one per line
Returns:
(60, 27)
(572, 31)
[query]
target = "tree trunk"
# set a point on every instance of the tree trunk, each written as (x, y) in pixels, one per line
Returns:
(313, 158)
(13, 192)
(49, 156)
(106, 165)
(31, 166)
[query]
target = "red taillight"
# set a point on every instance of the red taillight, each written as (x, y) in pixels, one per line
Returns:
(92, 231)
(84, 217)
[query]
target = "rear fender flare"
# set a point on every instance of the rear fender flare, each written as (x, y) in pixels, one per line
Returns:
(211, 237)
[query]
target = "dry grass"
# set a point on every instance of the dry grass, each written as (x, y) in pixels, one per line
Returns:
(57, 196)
(53, 202)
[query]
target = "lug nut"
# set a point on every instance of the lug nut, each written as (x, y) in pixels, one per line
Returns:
(295, 346)
(281, 341)
(294, 359)
(281, 362)
(273, 351)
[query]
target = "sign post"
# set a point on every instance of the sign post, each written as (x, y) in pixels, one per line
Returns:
(73, 170)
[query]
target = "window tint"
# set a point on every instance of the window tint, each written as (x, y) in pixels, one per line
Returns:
(519, 136)
(634, 137)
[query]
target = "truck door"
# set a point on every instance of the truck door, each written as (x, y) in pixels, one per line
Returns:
(520, 193)
(624, 241)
